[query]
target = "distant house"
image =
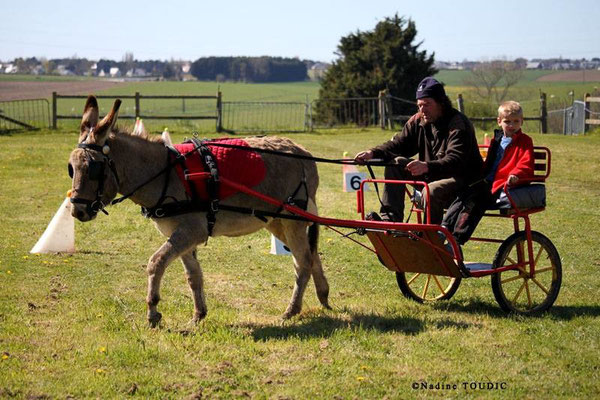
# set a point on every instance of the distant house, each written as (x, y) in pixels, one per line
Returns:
(185, 68)
(11, 69)
(136, 72)
(38, 70)
(63, 71)
(534, 65)
(115, 72)
(317, 71)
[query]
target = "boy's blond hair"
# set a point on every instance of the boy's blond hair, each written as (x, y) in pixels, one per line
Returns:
(510, 108)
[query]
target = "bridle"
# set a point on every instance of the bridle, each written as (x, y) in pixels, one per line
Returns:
(96, 172)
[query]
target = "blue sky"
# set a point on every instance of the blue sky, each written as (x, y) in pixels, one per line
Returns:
(309, 29)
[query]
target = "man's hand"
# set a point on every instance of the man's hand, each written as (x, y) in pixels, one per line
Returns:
(512, 179)
(417, 168)
(364, 156)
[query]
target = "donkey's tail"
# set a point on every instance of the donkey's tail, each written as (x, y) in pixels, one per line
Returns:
(313, 237)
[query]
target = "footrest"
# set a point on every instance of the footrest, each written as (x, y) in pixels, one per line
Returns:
(476, 266)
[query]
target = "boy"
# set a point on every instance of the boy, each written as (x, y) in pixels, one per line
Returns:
(509, 160)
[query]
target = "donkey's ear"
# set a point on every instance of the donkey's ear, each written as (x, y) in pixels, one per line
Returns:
(106, 126)
(90, 115)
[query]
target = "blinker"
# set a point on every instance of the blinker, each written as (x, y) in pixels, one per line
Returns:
(95, 170)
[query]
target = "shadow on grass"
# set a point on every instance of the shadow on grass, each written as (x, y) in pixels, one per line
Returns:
(494, 310)
(324, 326)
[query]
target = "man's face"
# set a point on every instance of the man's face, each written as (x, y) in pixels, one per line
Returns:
(430, 109)
(510, 123)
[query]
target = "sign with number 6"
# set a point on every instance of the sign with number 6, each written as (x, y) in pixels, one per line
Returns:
(352, 181)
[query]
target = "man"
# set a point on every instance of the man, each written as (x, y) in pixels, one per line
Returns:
(448, 156)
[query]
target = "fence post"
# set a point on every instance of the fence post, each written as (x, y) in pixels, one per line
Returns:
(461, 103)
(543, 113)
(219, 112)
(586, 112)
(381, 106)
(306, 120)
(137, 104)
(54, 125)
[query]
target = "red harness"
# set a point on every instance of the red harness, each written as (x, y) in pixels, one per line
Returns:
(241, 166)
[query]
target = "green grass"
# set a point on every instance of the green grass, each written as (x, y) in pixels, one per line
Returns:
(74, 325)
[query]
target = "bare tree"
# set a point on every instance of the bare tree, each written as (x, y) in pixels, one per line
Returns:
(493, 79)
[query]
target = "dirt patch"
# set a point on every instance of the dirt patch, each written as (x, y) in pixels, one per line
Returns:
(42, 90)
(588, 75)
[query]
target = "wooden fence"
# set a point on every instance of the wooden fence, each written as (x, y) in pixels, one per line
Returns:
(543, 117)
(217, 116)
(588, 100)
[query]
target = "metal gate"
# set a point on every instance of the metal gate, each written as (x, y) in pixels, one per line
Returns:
(24, 114)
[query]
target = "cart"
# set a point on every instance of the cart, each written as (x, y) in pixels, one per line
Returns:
(526, 272)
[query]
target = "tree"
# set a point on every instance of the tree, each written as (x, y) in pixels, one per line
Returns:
(371, 61)
(492, 79)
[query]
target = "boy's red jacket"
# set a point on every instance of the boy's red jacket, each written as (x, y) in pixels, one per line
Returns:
(518, 159)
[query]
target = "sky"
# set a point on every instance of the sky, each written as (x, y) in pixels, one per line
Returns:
(309, 29)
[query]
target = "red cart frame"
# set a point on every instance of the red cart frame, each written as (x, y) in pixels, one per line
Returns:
(427, 260)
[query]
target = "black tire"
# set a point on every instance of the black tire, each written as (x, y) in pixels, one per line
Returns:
(515, 290)
(426, 287)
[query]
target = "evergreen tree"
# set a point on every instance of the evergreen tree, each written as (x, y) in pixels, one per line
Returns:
(370, 61)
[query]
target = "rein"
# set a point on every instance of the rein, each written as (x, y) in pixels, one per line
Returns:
(93, 206)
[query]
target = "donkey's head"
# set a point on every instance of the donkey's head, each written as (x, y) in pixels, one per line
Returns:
(95, 180)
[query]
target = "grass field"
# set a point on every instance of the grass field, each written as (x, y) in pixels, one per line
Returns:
(73, 326)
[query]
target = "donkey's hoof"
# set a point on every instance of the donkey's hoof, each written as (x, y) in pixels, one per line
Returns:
(289, 313)
(154, 319)
(198, 317)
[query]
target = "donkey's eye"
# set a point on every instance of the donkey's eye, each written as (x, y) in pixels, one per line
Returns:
(71, 171)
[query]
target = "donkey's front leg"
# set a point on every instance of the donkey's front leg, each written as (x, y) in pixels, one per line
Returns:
(193, 271)
(181, 241)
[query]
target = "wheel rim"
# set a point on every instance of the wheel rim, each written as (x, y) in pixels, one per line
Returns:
(523, 291)
(429, 287)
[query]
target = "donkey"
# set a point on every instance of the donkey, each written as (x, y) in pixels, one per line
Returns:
(108, 161)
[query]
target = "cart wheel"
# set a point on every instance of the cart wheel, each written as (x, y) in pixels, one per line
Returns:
(516, 290)
(426, 287)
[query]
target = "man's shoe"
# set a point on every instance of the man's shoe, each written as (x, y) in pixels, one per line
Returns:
(373, 216)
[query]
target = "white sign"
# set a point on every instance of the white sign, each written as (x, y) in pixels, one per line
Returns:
(352, 181)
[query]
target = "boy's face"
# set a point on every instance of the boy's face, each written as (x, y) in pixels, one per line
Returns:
(510, 123)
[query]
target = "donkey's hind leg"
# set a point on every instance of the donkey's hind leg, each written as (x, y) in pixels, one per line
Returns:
(321, 284)
(297, 241)
(193, 272)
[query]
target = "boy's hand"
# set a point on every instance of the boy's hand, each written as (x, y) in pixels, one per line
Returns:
(512, 179)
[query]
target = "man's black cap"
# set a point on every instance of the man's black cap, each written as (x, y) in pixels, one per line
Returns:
(429, 87)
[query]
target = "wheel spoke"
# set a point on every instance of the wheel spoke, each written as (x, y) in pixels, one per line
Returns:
(540, 286)
(415, 276)
(537, 257)
(512, 278)
(439, 285)
(512, 262)
(519, 292)
(426, 287)
(539, 271)
(528, 294)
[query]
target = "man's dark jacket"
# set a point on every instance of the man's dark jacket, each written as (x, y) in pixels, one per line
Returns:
(448, 146)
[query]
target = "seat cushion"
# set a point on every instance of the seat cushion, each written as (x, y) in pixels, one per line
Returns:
(528, 196)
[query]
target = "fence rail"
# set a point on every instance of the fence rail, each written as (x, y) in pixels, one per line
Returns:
(137, 97)
(24, 114)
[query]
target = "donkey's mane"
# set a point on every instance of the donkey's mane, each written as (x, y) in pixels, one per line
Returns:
(145, 137)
